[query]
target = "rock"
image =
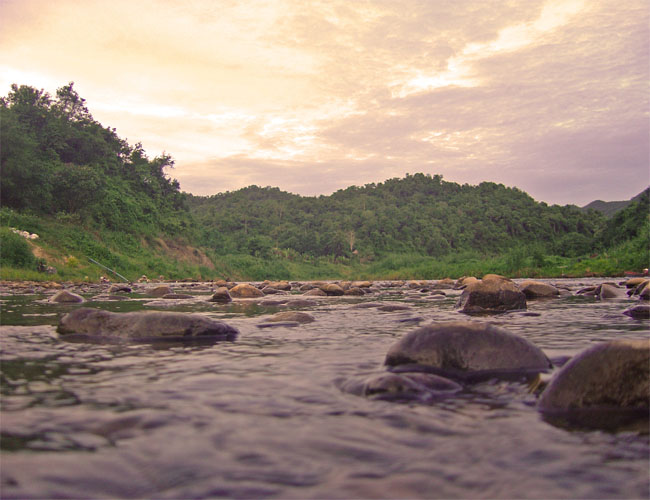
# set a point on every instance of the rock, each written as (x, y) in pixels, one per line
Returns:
(492, 294)
(297, 316)
(177, 296)
(354, 291)
(634, 282)
(280, 285)
(245, 291)
(159, 291)
(612, 374)
(315, 292)
(332, 289)
(104, 326)
(361, 284)
(301, 303)
(393, 307)
(119, 288)
(65, 297)
(609, 291)
(537, 289)
(463, 346)
(406, 385)
(221, 295)
(269, 290)
(641, 311)
(464, 281)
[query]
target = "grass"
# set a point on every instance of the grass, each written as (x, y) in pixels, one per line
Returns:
(67, 247)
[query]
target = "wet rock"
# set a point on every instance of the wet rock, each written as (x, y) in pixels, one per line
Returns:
(221, 295)
(177, 296)
(609, 291)
(284, 286)
(641, 311)
(588, 291)
(538, 289)
(65, 297)
(119, 287)
(463, 346)
(393, 307)
(492, 294)
(273, 303)
(464, 281)
(612, 374)
(404, 386)
(354, 291)
(277, 324)
(315, 292)
(159, 291)
(245, 291)
(297, 316)
(361, 284)
(634, 282)
(269, 290)
(150, 326)
(301, 303)
(332, 289)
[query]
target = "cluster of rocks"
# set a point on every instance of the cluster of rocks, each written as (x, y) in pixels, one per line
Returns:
(607, 383)
(434, 361)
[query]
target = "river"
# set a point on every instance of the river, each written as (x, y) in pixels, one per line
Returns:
(265, 416)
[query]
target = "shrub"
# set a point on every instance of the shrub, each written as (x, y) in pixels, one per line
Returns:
(14, 250)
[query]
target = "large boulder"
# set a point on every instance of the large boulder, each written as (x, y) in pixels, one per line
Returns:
(492, 294)
(610, 291)
(245, 291)
(538, 290)
(614, 374)
(65, 297)
(143, 326)
(457, 347)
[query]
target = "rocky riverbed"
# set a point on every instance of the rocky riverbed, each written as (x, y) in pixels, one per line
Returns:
(384, 389)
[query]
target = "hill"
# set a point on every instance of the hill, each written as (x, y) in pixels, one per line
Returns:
(609, 208)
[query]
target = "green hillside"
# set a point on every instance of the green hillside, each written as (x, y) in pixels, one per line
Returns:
(97, 202)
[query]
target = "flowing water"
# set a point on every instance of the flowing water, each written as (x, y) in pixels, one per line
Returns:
(264, 416)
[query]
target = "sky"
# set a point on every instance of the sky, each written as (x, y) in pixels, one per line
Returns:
(550, 96)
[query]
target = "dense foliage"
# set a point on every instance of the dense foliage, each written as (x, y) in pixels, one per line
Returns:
(90, 194)
(417, 214)
(57, 160)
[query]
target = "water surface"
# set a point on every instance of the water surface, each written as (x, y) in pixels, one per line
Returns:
(265, 416)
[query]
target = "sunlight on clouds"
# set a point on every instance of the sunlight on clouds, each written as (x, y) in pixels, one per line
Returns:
(459, 72)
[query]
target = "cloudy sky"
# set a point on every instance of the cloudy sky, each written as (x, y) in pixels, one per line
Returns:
(551, 96)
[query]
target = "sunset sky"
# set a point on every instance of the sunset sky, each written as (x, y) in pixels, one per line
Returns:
(551, 96)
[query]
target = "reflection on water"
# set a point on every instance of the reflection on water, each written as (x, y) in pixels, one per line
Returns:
(264, 416)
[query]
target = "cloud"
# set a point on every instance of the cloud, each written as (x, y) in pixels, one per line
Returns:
(312, 97)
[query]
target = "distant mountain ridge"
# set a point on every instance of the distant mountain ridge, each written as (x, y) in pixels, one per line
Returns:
(609, 208)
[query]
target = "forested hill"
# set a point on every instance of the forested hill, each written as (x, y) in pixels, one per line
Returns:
(58, 161)
(609, 208)
(419, 213)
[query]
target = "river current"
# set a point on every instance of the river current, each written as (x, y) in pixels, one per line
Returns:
(266, 416)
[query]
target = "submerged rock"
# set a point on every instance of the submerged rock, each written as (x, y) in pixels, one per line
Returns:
(641, 311)
(613, 374)
(297, 316)
(104, 326)
(420, 386)
(457, 347)
(159, 291)
(66, 297)
(492, 294)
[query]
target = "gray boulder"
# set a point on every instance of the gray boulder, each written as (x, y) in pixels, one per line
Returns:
(641, 311)
(221, 295)
(538, 290)
(65, 297)
(457, 347)
(610, 291)
(148, 326)
(492, 294)
(613, 374)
